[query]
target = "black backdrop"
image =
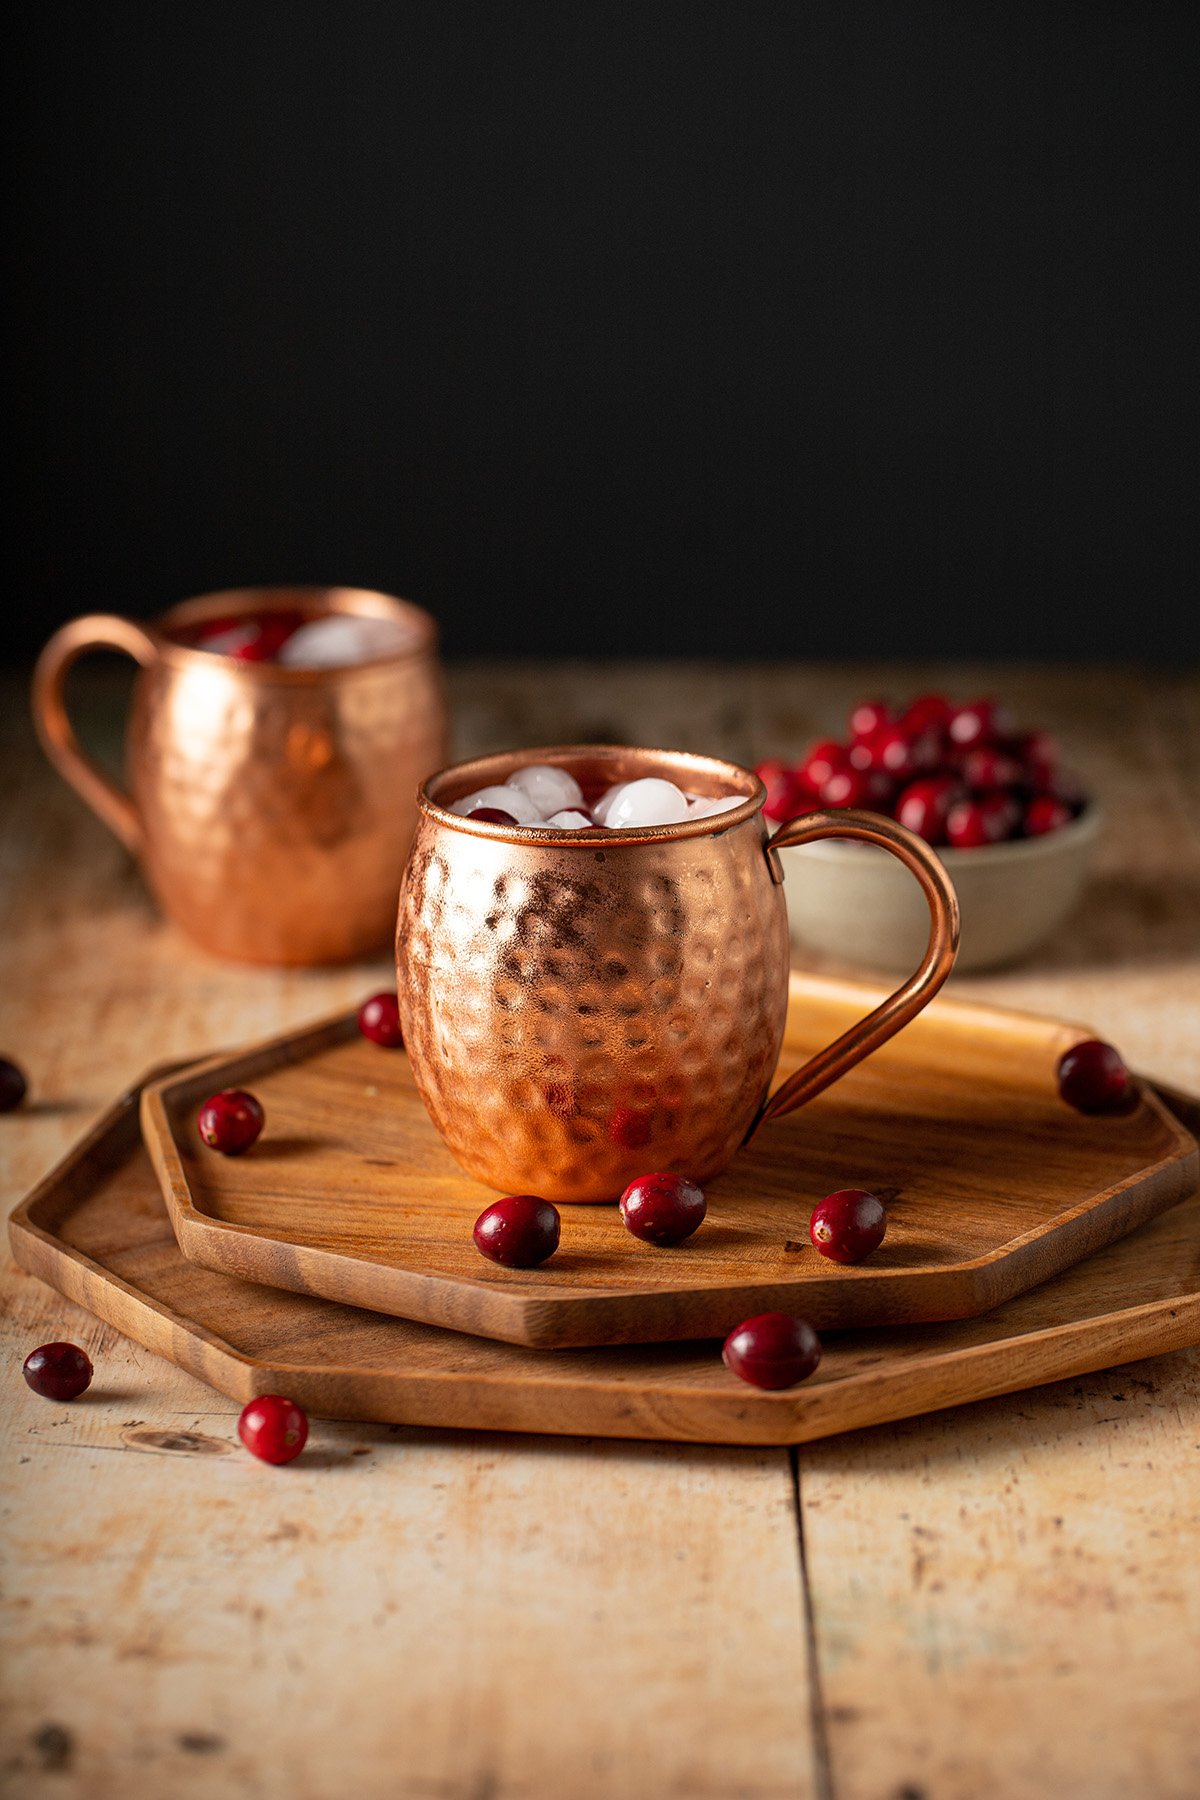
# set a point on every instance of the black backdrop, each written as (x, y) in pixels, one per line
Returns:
(739, 328)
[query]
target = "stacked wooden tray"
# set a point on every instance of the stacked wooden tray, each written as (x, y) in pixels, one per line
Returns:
(334, 1262)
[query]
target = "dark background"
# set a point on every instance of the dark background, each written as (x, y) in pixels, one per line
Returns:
(725, 329)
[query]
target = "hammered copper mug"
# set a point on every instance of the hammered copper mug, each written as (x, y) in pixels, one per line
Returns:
(271, 808)
(581, 1007)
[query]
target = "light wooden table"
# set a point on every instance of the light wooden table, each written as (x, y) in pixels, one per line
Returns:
(994, 1603)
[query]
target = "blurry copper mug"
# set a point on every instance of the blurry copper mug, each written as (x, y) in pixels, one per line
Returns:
(271, 808)
(580, 1007)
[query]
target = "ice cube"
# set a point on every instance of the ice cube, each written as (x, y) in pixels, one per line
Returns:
(705, 809)
(600, 810)
(570, 820)
(505, 799)
(551, 790)
(649, 801)
(341, 638)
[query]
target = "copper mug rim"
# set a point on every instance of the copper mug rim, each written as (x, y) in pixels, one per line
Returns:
(456, 779)
(320, 600)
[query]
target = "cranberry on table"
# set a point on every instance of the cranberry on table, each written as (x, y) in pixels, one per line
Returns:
(662, 1209)
(13, 1086)
(519, 1231)
(772, 1350)
(230, 1121)
(1045, 813)
(379, 1020)
(848, 1226)
(58, 1371)
(491, 815)
(273, 1428)
(1092, 1078)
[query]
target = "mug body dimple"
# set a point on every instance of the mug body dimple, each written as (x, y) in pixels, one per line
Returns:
(580, 1013)
(278, 813)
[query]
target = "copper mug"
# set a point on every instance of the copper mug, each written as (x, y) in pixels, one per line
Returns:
(271, 808)
(580, 1007)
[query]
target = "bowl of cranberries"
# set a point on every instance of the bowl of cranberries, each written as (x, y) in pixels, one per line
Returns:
(1013, 825)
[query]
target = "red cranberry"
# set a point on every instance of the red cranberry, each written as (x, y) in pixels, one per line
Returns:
(273, 1428)
(987, 767)
(772, 1350)
(519, 1231)
(58, 1371)
(230, 1121)
(820, 763)
(13, 1086)
(924, 804)
(846, 787)
(848, 1226)
(786, 795)
(982, 722)
(1037, 753)
(881, 790)
(889, 750)
(990, 819)
(379, 1020)
(1092, 1078)
(868, 717)
(929, 712)
(662, 1209)
(1045, 813)
(492, 815)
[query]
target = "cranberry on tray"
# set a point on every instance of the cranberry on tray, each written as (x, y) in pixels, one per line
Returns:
(1093, 1078)
(379, 1020)
(519, 1231)
(662, 1209)
(848, 1226)
(772, 1350)
(230, 1121)
(13, 1086)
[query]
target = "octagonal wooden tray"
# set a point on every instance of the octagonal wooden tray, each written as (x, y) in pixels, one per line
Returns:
(350, 1194)
(96, 1229)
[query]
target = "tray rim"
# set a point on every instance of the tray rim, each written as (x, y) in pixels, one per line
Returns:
(754, 1419)
(515, 1315)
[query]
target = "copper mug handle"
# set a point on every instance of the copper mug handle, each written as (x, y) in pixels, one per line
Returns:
(828, 1065)
(95, 631)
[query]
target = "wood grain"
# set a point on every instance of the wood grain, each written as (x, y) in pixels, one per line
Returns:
(351, 1194)
(97, 1229)
(181, 1621)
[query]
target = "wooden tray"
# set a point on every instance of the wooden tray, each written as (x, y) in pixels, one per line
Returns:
(351, 1195)
(96, 1229)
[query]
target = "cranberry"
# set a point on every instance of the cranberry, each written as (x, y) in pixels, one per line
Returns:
(1092, 1078)
(929, 712)
(273, 1428)
(13, 1086)
(848, 1226)
(772, 1350)
(492, 815)
(987, 767)
(786, 794)
(868, 717)
(58, 1371)
(889, 750)
(255, 639)
(990, 819)
(1045, 813)
(881, 790)
(982, 722)
(924, 804)
(230, 1121)
(821, 762)
(379, 1020)
(846, 787)
(519, 1231)
(1037, 753)
(662, 1209)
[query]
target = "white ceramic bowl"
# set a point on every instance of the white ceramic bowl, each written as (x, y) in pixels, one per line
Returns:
(857, 903)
